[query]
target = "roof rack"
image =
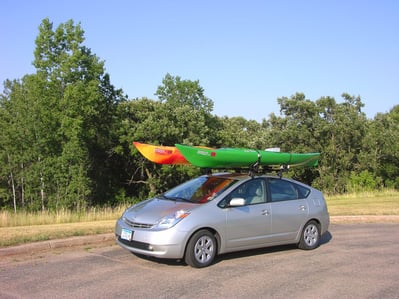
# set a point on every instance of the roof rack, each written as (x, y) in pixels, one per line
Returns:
(254, 169)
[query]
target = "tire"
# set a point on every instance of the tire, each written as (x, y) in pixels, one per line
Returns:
(310, 236)
(201, 249)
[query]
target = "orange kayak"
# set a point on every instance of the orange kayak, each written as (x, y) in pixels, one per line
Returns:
(160, 154)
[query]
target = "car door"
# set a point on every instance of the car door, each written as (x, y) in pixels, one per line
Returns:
(248, 225)
(288, 210)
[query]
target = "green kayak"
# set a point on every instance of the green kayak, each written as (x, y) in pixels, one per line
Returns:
(243, 157)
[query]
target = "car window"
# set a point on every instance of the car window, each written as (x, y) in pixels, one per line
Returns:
(199, 190)
(282, 190)
(253, 192)
(303, 192)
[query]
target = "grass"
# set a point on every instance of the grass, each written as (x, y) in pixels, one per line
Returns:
(377, 203)
(25, 227)
(17, 235)
(23, 218)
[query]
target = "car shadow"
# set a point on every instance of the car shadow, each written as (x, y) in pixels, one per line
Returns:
(253, 252)
(325, 238)
(169, 262)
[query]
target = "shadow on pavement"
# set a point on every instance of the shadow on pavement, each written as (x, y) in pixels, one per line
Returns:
(327, 237)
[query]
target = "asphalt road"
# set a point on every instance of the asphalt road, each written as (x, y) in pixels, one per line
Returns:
(354, 261)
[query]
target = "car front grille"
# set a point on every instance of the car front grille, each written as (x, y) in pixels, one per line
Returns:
(137, 224)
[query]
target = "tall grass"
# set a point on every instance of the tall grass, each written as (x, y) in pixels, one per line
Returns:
(23, 218)
(385, 202)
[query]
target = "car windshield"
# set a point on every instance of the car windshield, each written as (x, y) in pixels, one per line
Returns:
(199, 190)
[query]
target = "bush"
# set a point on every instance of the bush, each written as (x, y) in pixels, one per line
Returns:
(363, 181)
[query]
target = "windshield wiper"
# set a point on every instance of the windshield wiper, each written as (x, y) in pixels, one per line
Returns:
(163, 196)
(173, 198)
(181, 198)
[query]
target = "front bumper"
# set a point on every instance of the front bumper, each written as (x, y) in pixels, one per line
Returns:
(169, 243)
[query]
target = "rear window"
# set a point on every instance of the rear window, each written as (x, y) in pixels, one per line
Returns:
(286, 190)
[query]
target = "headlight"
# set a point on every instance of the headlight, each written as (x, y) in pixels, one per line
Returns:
(171, 219)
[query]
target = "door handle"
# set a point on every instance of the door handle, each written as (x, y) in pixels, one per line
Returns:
(265, 212)
(302, 208)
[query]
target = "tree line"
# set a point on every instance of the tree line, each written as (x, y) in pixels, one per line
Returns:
(66, 133)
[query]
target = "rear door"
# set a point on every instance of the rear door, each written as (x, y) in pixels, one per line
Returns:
(289, 211)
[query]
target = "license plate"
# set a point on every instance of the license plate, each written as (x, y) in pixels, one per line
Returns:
(126, 234)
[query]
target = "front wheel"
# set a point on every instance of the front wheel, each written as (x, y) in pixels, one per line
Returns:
(201, 249)
(310, 237)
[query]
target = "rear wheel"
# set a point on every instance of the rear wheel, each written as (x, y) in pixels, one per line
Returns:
(310, 237)
(201, 249)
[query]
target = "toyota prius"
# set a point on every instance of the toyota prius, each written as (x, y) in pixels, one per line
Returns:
(219, 213)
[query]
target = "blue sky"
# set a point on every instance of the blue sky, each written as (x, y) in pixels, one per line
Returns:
(245, 54)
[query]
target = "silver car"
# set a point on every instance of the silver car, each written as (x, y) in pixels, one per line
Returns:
(220, 213)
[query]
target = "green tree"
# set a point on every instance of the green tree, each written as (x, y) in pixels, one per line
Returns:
(335, 130)
(380, 151)
(296, 131)
(25, 141)
(186, 111)
(342, 130)
(58, 145)
(182, 114)
(178, 92)
(86, 101)
(239, 132)
(145, 120)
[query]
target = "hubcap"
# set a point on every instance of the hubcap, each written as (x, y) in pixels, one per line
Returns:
(203, 249)
(311, 235)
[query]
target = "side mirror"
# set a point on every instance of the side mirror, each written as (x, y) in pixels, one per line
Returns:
(237, 202)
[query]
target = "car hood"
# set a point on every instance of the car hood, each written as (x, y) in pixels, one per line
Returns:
(154, 209)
